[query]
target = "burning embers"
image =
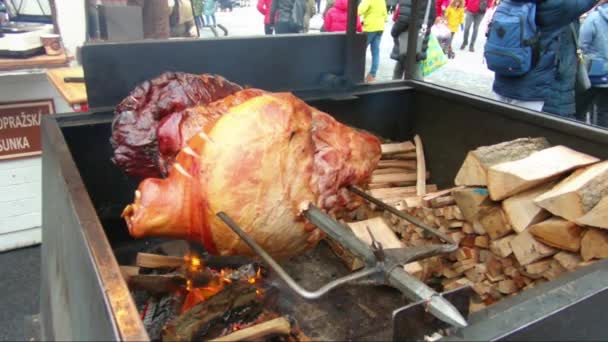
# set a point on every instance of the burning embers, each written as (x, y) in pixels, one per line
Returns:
(184, 299)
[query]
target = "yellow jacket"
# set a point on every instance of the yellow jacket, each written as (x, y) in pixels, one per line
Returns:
(455, 17)
(373, 13)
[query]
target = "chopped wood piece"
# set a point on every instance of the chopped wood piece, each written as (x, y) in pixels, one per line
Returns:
(420, 167)
(511, 271)
(398, 192)
(457, 236)
(437, 194)
(476, 273)
(467, 253)
(185, 326)
(482, 289)
(351, 262)
(521, 281)
(485, 255)
(558, 233)
(128, 271)
(413, 202)
(401, 156)
(528, 250)
(399, 164)
(470, 201)
(450, 273)
(475, 306)
(402, 147)
(382, 232)
(277, 326)
(594, 244)
(521, 210)
(596, 217)
(474, 169)
(554, 271)
(569, 261)
(482, 241)
(538, 267)
(386, 171)
(494, 222)
(494, 267)
(576, 195)
(510, 178)
(467, 228)
(502, 247)
(147, 260)
(463, 266)
(495, 279)
(415, 269)
(507, 287)
(159, 284)
(442, 202)
(401, 177)
(454, 284)
(455, 224)
(478, 228)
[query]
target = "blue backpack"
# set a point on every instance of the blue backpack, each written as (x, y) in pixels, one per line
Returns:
(513, 44)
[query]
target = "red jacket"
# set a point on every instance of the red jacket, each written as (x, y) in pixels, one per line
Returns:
(336, 18)
(440, 6)
(264, 8)
(473, 5)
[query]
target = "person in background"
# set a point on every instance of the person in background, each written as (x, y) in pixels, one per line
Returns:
(550, 85)
(310, 12)
(454, 15)
(594, 43)
(225, 5)
(283, 21)
(264, 8)
(402, 23)
(197, 9)
(441, 6)
(336, 18)
(328, 5)
(475, 10)
(374, 17)
(209, 9)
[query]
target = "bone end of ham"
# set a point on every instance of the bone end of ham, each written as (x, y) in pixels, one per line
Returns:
(271, 157)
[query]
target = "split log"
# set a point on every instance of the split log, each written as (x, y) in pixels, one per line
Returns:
(494, 222)
(538, 268)
(569, 261)
(442, 202)
(351, 262)
(147, 260)
(415, 268)
(528, 250)
(596, 217)
(574, 196)
(594, 244)
(157, 284)
(502, 247)
(382, 232)
(521, 210)
(558, 233)
(482, 241)
(507, 179)
(470, 201)
(477, 273)
(401, 156)
(473, 171)
(507, 286)
(186, 326)
(277, 326)
(554, 271)
(128, 271)
(401, 147)
(397, 164)
(420, 167)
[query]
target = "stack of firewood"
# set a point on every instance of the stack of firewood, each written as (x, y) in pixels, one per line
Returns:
(522, 212)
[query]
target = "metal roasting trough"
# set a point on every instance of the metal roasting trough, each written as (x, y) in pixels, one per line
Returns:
(84, 297)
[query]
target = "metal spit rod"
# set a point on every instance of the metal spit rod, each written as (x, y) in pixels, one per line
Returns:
(384, 266)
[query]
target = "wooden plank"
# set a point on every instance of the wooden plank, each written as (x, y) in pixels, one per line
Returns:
(442, 202)
(470, 201)
(569, 261)
(32, 62)
(420, 167)
(494, 222)
(502, 247)
(507, 179)
(521, 210)
(387, 171)
(559, 233)
(399, 164)
(574, 196)
(401, 147)
(148, 260)
(596, 217)
(594, 244)
(473, 171)
(72, 92)
(528, 250)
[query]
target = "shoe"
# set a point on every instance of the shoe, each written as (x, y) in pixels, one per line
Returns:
(471, 49)
(464, 45)
(369, 78)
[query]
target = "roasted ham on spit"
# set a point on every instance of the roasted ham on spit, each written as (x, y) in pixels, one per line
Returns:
(261, 158)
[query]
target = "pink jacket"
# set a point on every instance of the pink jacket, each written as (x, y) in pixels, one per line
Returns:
(336, 18)
(473, 5)
(264, 8)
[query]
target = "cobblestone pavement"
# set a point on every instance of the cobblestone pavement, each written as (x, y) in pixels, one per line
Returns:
(466, 72)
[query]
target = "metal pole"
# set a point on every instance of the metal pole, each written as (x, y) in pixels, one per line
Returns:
(349, 46)
(412, 42)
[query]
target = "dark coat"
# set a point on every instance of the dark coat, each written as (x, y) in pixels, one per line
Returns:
(552, 78)
(284, 7)
(403, 22)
